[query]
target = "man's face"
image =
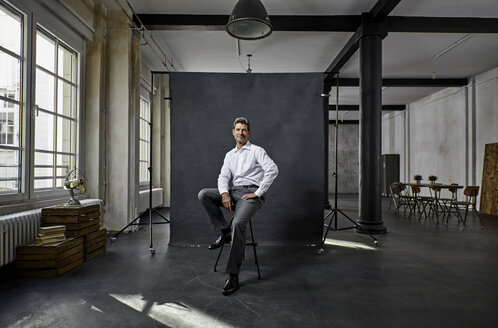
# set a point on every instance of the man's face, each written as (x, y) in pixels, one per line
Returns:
(240, 133)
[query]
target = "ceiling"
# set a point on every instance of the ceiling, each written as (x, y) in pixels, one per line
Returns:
(405, 55)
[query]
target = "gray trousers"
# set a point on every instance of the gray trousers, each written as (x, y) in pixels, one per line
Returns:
(210, 199)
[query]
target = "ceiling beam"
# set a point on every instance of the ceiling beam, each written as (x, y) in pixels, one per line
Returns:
(321, 23)
(442, 24)
(381, 9)
(405, 82)
(300, 23)
(379, 12)
(357, 107)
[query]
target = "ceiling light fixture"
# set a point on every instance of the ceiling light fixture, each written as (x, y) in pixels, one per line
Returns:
(249, 21)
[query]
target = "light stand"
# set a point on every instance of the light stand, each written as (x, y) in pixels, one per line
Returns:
(335, 211)
(150, 209)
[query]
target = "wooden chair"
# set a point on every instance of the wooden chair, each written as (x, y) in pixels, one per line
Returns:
(395, 190)
(421, 202)
(470, 192)
(403, 198)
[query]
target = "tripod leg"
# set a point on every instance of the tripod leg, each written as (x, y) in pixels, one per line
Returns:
(358, 226)
(167, 221)
(113, 238)
(151, 248)
(334, 214)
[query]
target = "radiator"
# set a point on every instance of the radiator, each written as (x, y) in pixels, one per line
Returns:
(20, 228)
(143, 199)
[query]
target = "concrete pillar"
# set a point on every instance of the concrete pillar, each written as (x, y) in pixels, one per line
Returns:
(370, 209)
(122, 126)
(326, 90)
(96, 100)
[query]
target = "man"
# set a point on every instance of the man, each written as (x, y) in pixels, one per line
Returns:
(251, 172)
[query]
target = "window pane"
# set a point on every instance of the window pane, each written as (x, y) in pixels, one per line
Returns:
(44, 131)
(10, 30)
(45, 51)
(144, 174)
(10, 76)
(9, 171)
(45, 183)
(67, 64)
(64, 164)
(66, 134)
(65, 99)
(44, 170)
(45, 90)
(10, 120)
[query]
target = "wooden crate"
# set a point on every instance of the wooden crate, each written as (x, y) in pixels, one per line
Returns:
(81, 230)
(72, 215)
(79, 220)
(49, 260)
(71, 209)
(95, 244)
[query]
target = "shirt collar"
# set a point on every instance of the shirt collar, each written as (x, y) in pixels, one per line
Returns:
(246, 146)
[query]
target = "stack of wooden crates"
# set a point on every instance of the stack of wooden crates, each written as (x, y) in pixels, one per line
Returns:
(85, 240)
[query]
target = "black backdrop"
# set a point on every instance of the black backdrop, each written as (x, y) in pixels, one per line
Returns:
(285, 111)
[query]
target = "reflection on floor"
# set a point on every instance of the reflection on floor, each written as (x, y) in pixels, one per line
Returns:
(422, 274)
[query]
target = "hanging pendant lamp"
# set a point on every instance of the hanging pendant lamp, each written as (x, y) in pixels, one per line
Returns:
(249, 21)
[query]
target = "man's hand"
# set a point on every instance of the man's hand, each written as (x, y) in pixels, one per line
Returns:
(249, 196)
(226, 201)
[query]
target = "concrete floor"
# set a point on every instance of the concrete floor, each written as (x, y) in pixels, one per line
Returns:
(422, 274)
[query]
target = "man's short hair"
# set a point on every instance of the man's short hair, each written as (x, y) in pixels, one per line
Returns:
(242, 120)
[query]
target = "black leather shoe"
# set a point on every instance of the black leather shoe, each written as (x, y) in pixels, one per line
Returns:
(231, 285)
(220, 240)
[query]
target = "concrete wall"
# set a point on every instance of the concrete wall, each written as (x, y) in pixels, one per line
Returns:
(348, 164)
(444, 134)
(484, 112)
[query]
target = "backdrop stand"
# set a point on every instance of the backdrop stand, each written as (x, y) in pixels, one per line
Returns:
(150, 209)
(335, 211)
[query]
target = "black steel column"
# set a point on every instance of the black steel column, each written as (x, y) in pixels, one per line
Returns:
(370, 210)
(326, 91)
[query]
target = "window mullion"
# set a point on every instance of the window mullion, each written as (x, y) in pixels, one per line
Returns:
(29, 123)
(56, 110)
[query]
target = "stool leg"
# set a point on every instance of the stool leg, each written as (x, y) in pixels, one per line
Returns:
(254, 249)
(218, 258)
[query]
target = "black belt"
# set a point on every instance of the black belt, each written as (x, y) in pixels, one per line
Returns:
(247, 186)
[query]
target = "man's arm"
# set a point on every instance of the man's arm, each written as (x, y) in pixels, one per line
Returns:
(223, 181)
(270, 173)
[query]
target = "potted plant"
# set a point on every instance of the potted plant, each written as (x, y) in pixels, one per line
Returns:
(418, 178)
(432, 179)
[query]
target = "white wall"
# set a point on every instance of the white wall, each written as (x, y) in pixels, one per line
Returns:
(446, 132)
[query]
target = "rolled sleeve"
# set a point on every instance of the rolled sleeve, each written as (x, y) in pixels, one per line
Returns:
(225, 175)
(270, 172)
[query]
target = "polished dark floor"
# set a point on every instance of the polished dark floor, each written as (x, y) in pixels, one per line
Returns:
(422, 274)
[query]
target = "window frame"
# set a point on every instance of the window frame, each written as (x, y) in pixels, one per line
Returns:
(37, 13)
(144, 96)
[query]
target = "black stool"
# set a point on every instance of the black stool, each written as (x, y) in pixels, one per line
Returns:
(252, 243)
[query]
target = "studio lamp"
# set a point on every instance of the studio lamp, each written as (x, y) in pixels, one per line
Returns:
(249, 21)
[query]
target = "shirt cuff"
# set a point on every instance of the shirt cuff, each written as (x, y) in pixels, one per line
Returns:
(258, 193)
(222, 190)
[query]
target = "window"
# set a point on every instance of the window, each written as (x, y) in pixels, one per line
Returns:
(39, 102)
(144, 140)
(11, 70)
(56, 118)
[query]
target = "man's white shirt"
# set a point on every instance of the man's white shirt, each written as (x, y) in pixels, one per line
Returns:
(249, 165)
